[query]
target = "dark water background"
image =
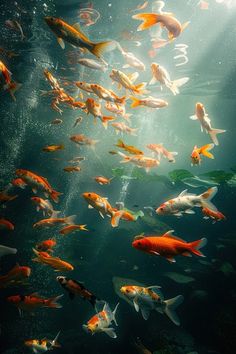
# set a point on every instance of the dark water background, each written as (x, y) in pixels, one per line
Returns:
(207, 315)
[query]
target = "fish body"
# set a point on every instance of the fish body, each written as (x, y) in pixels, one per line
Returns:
(44, 205)
(55, 262)
(52, 80)
(93, 64)
(102, 321)
(72, 228)
(140, 161)
(72, 169)
(94, 108)
(54, 221)
(185, 202)
(129, 148)
(123, 128)
(33, 302)
(150, 102)
(159, 150)
(75, 288)
(38, 183)
(84, 86)
(15, 276)
(151, 298)
(132, 61)
(83, 140)
(202, 116)
(42, 345)
(103, 180)
(203, 150)
(215, 215)
(6, 225)
(107, 95)
(168, 246)
(118, 109)
(46, 246)
(52, 148)
(126, 81)
(18, 182)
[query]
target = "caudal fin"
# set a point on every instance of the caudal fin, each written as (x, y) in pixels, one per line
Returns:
(174, 87)
(102, 47)
(120, 143)
(205, 150)
(206, 198)
(54, 343)
(12, 87)
(70, 220)
(148, 20)
(196, 245)
(171, 305)
(140, 88)
(213, 134)
(54, 195)
(115, 219)
(106, 120)
(52, 302)
(135, 102)
(114, 314)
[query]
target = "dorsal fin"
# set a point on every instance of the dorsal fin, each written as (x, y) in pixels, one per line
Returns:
(139, 237)
(183, 193)
(169, 235)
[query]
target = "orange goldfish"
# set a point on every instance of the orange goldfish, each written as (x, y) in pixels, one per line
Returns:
(127, 81)
(81, 139)
(215, 215)
(160, 150)
(103, 180)
(123, 128)
(42, 345)
(68, 220)
(94, 108)
(72, 169)
(129, 148)
(4, 197)
(6, 225)
(33, 302)
(18, 182)
(15, 276)
(72, 228)
(46, 246)
(203, 150)
(55, 262)
(168, 246)
(10, 85)
(140, 161)
(107, 95)
(52, 148)
(38, 183)
(45, 206)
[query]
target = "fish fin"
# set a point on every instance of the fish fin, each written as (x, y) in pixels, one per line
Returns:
(34, 190)
(171, 259)
(170, 307)
(206, 217)
(183, 193)
(206, 197)
(186, 254)
(115, 219)
(139, 89)
(99, 48)
(184, 25)
(136, 305)
(193, 117)
(213, 134)
(70, 220)
(145, 312)
(126, 66)
(153, 81)
(174, 87)
(52, 302)
(54, 195)
(61, 42)
(114, 314)
(148, 20)
(133, 76)
(105, 120)
(55, 213)
(101, 214)
(205, 150)
(110, 332)
(12, 87)
(54, 341)
(189, 211)
(135, 103)
(90, 206)
(196, 245)
(155, 253)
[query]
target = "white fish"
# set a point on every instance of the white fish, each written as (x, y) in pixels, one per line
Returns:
(4, 251)
(93, 64)
(123, 128)
(118, 109)
(131, 60)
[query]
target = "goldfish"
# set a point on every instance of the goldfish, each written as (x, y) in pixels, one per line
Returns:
(126, 81)
(185, 202)
(68, 220)
(161, 151)
(33, 302)
(81, 139)
(77, 159)
(42, 345)
(131, 60)
(168, 21)
(150, 102)
(46, 245)
(103, 180)
(129, 148)
(74, 36)
(6, 225)
(4, 197)
(203, 150)
(140, 161)
(38, 183)
(151, 298)
(74, 287)
(123, 128)
(107, 95)
(202, 116)
(15, 25)
(94, 108)
(84, 86)
(215, 215)
(72, 228)
(72, 169)
(104, 207)
(15, 276)
(168, 246)
(10, 85)
(4, 251)
(160, 74)
(102, 320)
(77, 121)
(118, 109)
(45, 206)
(56, 121)
(18, 182)
(55, 262)
(52, 148)
(52, 80)
(93, 64)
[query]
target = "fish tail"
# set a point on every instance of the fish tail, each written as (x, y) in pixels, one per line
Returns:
(105, 120)
(140, 88)
(206, 198)
(213, 134)
(121, 100)
(52, 302)
(115, 219)
(102, 47)
(120, 143)
(170, 307)
(148, 20)
(174, 87)
(12, 87)
(114, 314)
(70, 220)
(135, 102)
(54, 195)
(83, 227)
(125, 157)
(205, 150)
(196, 245)
(55, 213)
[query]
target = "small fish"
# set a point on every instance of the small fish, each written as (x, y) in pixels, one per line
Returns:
(72, 169)
(94, 108)
(107, 95)
(55, 262)
(74, 287)
(10, 85)
(6, 225)
(16, 26)
(72, 228)
(42, 345)
(161, 151)
(56, 121)
(51, 222)
(129, 148)
(93, 64)
(127, 82)
(168, 246)
(150, 102)
(33, 302)
(83, 140)
(84, 86)
(5, 251)
(202, 116)
(77, 121)
(203, 150)
(77, 159)
(131, 60)
(103, 180)
(123, 128)
(46, 245)
(102, 320)
(45, 206)
(140, 161)
(118, 109)
(15, 276)
(53, 148)
(215, 215)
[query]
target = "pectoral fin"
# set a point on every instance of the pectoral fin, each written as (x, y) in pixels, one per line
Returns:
(61, 43)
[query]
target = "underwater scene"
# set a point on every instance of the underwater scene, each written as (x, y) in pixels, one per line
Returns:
(118, 177)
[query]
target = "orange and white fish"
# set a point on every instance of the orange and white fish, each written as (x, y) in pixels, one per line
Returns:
(197, 152)
(202, 116)
(6, 225)
(103, 180)
(46, 245)
(10, 85)
(168, 246)
(118, 109)
(215, 215)
(72, 169)
(52, 148)
(55, 262)
(185, 202)
(94, 108)
(83, 140)
(52, 80)
(102, 320)
(74, 36)
(72, 228)
(53, 221)
(38, 183)
(15, 276)
(42, 345)
(45, 206)
(161, 151)
(161, 75)
(140, 161)
(107, 95)
(151, 298)
(168, 21)
(123, 128)
(129, 148)
(33, 302)
(84, 86)
(127, 81)
(150, 102)
(18, 182)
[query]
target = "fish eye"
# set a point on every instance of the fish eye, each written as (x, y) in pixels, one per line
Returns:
(89, 195)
